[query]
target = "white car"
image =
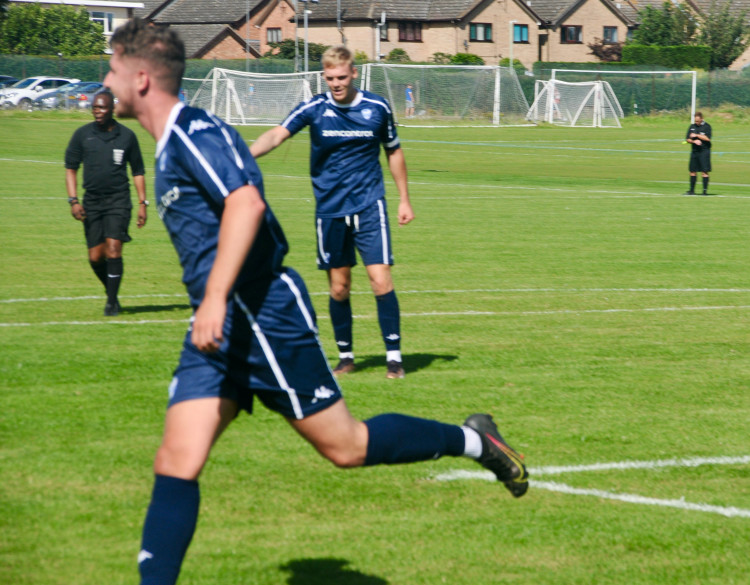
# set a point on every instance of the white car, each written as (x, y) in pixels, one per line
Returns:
(21, 93)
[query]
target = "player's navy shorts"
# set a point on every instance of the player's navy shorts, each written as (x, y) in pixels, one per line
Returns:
(106, 217)
(270, 350)
(700, 162)
(367, 231)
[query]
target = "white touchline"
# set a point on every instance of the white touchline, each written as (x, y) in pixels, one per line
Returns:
(728, 511)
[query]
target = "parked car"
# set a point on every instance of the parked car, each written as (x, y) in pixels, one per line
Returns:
(70, 96)
(20, 94)
(6, 80)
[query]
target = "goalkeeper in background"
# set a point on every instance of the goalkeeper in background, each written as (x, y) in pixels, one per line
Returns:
(699, 137)
(347, 128)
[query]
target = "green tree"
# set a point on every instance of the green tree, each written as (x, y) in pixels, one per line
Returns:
(466, 59)
(3, 9)
(441, 58)
(285, 50)
(725, 33)
(668, 26)
(32, 30)
(398, 56)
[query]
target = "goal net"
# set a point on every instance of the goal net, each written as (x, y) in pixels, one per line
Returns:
(449, 94)
(641, 92)
(244, 98)
(585, 103)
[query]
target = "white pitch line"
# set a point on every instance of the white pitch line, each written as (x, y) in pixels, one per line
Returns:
(728, 511)
(417, 292)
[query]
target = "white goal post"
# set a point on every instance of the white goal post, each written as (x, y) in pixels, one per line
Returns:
(467, 95)
(244, 98)
(641, 92)
(583, 103)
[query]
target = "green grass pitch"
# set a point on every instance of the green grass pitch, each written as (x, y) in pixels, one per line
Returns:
(554, 277)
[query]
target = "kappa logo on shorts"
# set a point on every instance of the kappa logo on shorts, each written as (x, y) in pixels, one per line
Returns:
(322, 393)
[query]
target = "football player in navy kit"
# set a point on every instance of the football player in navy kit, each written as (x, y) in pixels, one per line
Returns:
(253, 332)
(699, 137)
(347, 128)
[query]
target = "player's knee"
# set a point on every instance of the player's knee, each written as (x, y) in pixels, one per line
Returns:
(345, 458)
(340, 290)
(176, 464)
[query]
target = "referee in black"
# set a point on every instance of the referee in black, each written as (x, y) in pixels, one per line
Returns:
(699, 136)
(105, 147)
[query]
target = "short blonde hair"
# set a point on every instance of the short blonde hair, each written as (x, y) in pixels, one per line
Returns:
(337, 55)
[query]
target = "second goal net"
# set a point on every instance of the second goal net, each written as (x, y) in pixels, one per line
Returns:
(585, 103)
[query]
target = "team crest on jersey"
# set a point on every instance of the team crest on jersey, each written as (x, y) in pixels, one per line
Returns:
(198, 125)
(367, 113)
(329, 114)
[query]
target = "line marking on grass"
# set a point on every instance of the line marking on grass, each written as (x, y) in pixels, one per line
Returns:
(425, 314)
(728, 511)
(410, 292)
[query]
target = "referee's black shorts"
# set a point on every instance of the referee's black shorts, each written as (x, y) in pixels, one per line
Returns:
(700, 162)
(106, 217)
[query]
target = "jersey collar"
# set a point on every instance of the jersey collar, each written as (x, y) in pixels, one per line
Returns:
(355, 102)
(176, 109)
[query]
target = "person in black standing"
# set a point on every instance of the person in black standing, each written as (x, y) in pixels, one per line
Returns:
(699, 136)
(105, 147)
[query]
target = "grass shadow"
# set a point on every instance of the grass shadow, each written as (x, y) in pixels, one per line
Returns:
(154, 308)
(326, 572)
(413, 362)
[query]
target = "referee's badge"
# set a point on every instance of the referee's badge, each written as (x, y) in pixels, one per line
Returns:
(117, 155)
(367, 113)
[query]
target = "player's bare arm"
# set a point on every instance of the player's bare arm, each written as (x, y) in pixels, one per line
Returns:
(243, 212)
(140, 187)
(71, 185)
(269, 140)
(397, 166)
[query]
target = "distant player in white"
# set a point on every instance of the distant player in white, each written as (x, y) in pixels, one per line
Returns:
(347, 128)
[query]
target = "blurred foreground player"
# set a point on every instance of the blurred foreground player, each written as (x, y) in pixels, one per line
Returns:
(253, 332)
(105, 147)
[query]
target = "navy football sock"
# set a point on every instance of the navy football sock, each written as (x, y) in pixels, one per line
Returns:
(341, 319)
(170, 523)
(100, 269)
(705, 184)
(693, 180)
(389, 317)
(114, 277)
(397, 438)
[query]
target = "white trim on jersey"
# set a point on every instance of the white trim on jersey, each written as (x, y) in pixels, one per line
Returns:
(268, 351)
(168, 128)
(299, 110)
(201, 159)
(220, 126)
(383, 231)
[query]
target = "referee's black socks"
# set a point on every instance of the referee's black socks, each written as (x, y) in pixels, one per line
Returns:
(693, 180)
(100, 269)
(705, 184)
(114, 277)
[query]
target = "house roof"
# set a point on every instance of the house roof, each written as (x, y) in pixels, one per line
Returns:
(202, 11)
(199, 38)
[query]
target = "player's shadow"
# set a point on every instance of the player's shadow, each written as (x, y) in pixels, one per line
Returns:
(412, 361)
(326, 572)
(154, 308)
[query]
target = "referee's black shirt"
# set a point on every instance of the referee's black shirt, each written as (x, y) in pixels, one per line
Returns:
(105, 156)
(703, 128)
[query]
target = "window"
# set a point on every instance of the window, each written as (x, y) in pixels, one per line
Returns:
(273, 35)
(480, 33)
(571, 34)
(610, 34)
(383, 31)
(520, 33)
(105, 19)
(410, 32)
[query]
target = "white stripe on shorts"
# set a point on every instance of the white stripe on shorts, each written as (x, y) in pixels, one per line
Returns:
(321, 251)
(271, 358)
(383, 231)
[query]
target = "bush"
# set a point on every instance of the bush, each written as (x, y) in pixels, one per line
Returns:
(673, 57)
(466, 59)
(398, 56)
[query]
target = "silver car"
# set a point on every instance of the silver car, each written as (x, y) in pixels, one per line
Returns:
(68, 97)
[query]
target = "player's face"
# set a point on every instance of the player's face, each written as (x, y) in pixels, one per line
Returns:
(102, 109)
(340, 81)
(698, 119)
(121, 82)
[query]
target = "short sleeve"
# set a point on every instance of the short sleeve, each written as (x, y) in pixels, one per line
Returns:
(74, 152)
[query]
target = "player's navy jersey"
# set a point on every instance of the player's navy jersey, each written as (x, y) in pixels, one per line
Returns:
(345, 150)
(199, 161)
(703, 128)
